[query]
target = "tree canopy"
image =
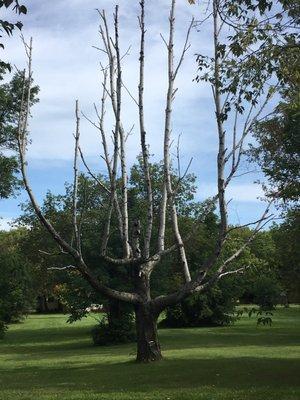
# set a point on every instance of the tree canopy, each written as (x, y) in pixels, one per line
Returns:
(10, 103)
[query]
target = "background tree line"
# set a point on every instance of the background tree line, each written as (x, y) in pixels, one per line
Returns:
(33, 276)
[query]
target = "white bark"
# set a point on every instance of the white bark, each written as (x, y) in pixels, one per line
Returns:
(145, 153)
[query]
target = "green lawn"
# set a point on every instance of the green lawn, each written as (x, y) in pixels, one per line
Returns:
(45, 358)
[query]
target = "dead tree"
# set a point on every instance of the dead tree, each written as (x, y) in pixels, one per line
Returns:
(137, 254)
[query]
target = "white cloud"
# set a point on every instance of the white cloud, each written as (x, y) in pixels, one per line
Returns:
(5, 224)
(244, 192)
(67, 67)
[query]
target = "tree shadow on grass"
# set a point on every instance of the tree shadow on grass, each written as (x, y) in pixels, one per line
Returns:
(43, 335)
(49, 343)
(227, 373)
(230, 337)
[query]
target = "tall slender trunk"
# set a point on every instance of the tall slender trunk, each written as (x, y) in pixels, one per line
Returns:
(148, 347)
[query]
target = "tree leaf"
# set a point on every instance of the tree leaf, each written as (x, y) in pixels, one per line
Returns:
(19, 25)
(7, 3)
(22, 10)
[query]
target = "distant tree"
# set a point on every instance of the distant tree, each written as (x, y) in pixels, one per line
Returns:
(16, 281)
(10, 102)
(278, 150)
(286, 237)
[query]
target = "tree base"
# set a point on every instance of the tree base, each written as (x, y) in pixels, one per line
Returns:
(148, 347)
(149, 355)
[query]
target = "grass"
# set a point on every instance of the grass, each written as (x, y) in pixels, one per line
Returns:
(44, 358)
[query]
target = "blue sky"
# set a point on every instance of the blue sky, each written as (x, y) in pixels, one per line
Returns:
(66, 67)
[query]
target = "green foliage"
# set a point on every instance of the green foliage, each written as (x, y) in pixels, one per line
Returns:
(9, 27)
(185, 188)
(75, 295)
(214, 307)
(259, 49)
(73, 291)
(265, 320)
(266, 292)
(286, 239)
(115, 331)
(3, 329)
(10, 104)
(278, 150)
(277, 147)
(8, 178)
(264, 316)
(260, 284)
(16, 291)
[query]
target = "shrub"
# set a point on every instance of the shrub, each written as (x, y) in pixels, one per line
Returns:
(3, 328)
(116, 331)
(16, 294)
(266, 292)
(212, 308)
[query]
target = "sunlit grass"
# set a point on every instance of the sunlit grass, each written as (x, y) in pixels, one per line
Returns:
(45, 358)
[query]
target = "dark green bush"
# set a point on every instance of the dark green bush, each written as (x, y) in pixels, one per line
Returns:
(212, 308)
(16, 293)
(3, 328)
(266, 292)
(116, 331)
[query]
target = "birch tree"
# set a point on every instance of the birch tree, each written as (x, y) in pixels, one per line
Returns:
(141, 253)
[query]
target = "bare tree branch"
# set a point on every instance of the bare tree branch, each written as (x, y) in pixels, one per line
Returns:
(75, 181)
(121, 132)
(91, 173)
(145, 153)
(61, 268)
(79, 262)
(167, 186)
(221, 131)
